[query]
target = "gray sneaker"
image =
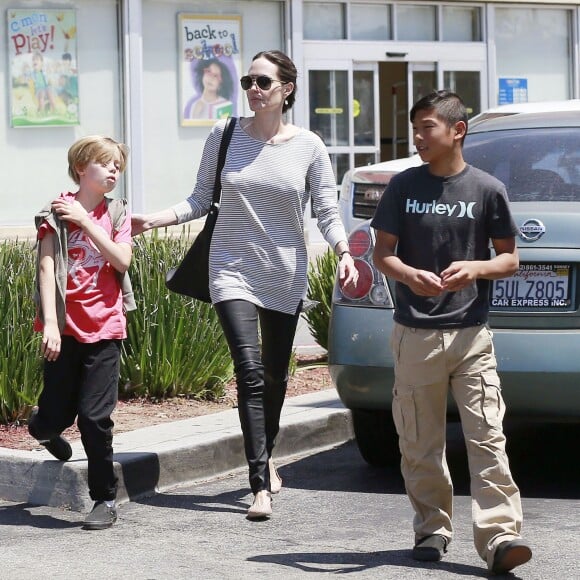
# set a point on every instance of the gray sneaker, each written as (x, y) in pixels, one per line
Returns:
(101, 517)
(430, 548)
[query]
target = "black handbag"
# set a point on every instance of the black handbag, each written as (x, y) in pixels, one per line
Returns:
(191, 277)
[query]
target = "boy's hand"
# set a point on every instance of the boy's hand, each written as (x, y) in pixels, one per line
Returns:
(51, 341)
(71, 212)
(424, 283)
(459, 275)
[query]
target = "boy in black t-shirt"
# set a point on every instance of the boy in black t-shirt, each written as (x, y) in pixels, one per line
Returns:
(434, 224)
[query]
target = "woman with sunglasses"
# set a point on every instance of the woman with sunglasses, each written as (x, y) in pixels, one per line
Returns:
(258, 260)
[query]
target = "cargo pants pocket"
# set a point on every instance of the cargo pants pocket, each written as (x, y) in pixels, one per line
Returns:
(405, 415)
(492, 404)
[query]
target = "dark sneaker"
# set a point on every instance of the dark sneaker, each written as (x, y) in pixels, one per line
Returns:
(430, 548)
(59, 447)
(510, 554)
(101, 517)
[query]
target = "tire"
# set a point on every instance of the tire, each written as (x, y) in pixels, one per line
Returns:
(376, 437)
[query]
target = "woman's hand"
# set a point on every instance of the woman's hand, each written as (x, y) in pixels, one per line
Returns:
(347, 271)
(138, 224)
(144, 222)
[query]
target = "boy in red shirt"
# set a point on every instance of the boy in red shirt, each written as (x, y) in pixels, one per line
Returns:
(81, 256)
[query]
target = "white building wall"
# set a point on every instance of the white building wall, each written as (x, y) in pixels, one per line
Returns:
(33, 161)
(129, 87)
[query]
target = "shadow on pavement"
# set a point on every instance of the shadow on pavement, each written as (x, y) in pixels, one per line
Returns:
(235, 502)
(313, 473)
(348, 562)
(19, 515)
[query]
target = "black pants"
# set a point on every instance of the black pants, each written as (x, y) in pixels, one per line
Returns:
(261, 376)
(83, 381)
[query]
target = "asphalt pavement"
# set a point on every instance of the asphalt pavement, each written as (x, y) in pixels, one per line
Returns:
(158, 458)
(335, 517)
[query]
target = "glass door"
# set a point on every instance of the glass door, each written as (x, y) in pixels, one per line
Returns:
(342, 111)
(365, 115)
(467, 84)
(465, 79)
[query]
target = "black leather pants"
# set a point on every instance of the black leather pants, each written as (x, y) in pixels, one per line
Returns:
(261, 376)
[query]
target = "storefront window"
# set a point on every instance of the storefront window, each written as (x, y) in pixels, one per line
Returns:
(324, 21)
(361, 159)
(416, 22)
(533, 47)
(363, 108)
(370, 22)
(468, 85)
(424, 81)
(328, 98)
(461, 24)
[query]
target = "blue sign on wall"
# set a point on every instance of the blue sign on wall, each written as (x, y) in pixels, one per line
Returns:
(512, 91)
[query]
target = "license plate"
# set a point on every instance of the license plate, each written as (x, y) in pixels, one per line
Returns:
(533, 286)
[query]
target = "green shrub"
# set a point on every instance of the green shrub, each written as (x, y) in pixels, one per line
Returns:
(321, 276)
(20, 363)
(175, 345)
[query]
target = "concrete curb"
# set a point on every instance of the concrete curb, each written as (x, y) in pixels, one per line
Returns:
(156, 458)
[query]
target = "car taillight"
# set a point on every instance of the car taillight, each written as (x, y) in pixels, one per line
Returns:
(372, 285)
(359, 243)
(364, 284)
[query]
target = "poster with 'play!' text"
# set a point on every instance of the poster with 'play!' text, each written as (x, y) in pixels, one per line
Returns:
(42, 53)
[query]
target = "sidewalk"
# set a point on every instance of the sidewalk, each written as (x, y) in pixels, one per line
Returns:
(157, 458)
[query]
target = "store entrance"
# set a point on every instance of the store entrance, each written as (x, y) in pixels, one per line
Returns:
(402, 83)
(393, 110)
(360, 109)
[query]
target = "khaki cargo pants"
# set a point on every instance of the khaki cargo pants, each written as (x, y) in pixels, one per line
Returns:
(428, 363)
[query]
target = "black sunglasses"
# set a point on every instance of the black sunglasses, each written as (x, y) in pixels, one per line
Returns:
(262, 82)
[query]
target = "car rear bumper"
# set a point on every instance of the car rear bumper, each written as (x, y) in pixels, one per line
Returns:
(539, 370)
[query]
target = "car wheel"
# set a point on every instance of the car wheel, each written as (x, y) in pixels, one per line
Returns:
(376, 436)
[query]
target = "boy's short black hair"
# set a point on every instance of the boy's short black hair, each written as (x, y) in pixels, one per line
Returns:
(449, 107)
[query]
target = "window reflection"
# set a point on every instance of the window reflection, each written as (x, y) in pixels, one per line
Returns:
(328, 99)
(324, 21)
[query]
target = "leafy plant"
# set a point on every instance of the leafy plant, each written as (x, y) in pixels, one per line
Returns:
(175, 345)
(20, 363)
(321, 276)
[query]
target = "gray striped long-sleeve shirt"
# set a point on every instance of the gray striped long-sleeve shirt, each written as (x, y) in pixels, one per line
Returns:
(258, 251)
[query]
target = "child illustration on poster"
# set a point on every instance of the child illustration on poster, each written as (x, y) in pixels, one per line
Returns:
(43, 69)
(210, 61)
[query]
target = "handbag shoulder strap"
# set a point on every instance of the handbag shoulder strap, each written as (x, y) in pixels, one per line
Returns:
(226, 138)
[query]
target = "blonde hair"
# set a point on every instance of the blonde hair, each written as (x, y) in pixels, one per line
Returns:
(95, 149)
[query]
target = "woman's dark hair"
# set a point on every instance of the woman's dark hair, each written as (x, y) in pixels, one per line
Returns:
(449, 107)
(226, 88)
(286, 71)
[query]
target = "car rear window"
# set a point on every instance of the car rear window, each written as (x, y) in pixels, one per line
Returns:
(541, 164)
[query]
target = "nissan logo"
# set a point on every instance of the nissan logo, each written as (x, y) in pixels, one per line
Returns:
(532, 230)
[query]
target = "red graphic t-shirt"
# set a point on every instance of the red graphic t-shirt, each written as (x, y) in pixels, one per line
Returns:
(94, 302)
